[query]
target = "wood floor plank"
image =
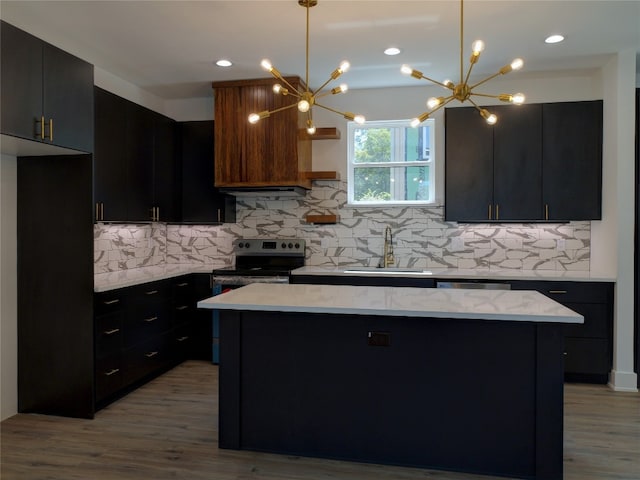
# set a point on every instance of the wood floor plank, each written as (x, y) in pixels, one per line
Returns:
(168, 430)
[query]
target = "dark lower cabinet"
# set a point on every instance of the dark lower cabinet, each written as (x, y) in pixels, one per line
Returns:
(143, 330)
(55, 286)
(588, 346)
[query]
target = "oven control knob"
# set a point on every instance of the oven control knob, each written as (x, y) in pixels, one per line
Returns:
(297, 246)
(240, 245)
(284, 245)
(247, 245)
(290, 245)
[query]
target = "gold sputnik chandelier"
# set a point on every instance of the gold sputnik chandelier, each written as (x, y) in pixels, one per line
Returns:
(306, 99)
(463, 91)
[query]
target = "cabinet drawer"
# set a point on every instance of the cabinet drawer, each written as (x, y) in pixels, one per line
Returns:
(575, 292)
(145, 358)
(181, 338)
(108, 334)
(109, 302)
(587, 356)
(109, 376)
(143, 324)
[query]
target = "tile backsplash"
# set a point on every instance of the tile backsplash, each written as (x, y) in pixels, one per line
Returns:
(421, 237)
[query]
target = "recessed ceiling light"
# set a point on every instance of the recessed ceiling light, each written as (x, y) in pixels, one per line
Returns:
(554, 39)
(224, 63)
(392, 51)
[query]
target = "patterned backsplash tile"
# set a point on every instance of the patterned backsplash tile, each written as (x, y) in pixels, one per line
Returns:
(421, 237)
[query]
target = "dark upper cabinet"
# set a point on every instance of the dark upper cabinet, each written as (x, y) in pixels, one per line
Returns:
(135, 163)
(572, 152)
(109, 162)
(201, 201)
(517, 163)
(47, 94)
(468, 166)
(540, 162)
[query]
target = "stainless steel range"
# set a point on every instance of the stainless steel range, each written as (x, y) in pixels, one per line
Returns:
(258, 260)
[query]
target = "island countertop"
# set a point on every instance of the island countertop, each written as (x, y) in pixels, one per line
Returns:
(509, 305)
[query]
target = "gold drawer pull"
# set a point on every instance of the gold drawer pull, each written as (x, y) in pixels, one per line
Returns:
(559, 292)
(150, 319)
(151, 292)
(113, 371)
(151, 354)
(182, 307)
(184, 284)
(182, 339)
(111, 302)
(112, 331)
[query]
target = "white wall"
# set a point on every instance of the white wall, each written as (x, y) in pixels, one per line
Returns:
(8, 289)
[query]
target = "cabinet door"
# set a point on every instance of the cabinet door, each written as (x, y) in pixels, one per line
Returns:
(468, 166)
(166, 172)
(517, 162)
(67, 99)
(139, 161)
(109, 162)
(572, 160)
(21, 84)
(201, 201)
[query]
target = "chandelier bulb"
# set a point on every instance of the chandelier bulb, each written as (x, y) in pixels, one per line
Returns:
(359, 119)
(266, 64)
(311, 128)
(449, 84)
(477, 47)
(518, 98)
(342, 88)
(490, 118)
(256, 117)
(433, 102)
(406, 69)
(303, 106)
(517, 64)
(344, 66)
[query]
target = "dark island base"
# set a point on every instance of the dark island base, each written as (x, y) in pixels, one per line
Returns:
(465, 395)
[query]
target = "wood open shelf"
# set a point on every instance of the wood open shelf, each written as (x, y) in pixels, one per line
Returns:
(325, 219)
(321, 175)
(328, 133)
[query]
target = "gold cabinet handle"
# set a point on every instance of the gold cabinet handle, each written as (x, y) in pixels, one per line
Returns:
(150, 354)
(150, 319)
(183, 284)
(151, 292)
(219, 216)
(101, 211)
(51, 129)
(182, 307)
(558, 292)
(42, 127)
(97, 211)
(489, 211)
(546, 211)
(113, 371)
(182, 339)
(497, 212)
(111, 302)
(112, 331)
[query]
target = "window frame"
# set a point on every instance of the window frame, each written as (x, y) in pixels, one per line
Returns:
(352, 166)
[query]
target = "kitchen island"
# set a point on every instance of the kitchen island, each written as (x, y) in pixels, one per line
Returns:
(461, 380)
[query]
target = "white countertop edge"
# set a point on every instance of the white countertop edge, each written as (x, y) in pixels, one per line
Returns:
(512, 305)
(469, 274)
(104, 282)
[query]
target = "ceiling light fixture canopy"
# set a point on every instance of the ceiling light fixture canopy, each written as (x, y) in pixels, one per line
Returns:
(463, 91)
(307, 99)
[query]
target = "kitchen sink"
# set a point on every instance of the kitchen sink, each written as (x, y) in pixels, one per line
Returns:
(388, 270)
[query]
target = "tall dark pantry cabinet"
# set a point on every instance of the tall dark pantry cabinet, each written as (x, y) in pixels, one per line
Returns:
(47, 110)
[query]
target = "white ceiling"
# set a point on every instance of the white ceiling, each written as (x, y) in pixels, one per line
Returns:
(169, 47)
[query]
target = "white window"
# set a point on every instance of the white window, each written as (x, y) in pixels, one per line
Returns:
(391, 163)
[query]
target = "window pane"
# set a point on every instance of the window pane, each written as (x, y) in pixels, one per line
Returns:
(384, 184)
(372, 145)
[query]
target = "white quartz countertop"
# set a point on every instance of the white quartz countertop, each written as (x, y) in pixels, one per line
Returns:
(512, 305)
(450, 273)
(103, 282)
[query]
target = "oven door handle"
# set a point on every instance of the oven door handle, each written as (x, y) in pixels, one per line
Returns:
(239, 280)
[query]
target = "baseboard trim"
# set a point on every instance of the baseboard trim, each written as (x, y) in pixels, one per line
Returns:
(623, 381)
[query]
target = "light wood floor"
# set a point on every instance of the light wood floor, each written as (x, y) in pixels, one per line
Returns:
(168, 430)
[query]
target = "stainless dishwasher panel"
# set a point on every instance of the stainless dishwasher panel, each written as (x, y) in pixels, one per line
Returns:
(476, 285)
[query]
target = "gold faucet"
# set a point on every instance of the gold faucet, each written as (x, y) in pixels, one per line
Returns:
(387, 256)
